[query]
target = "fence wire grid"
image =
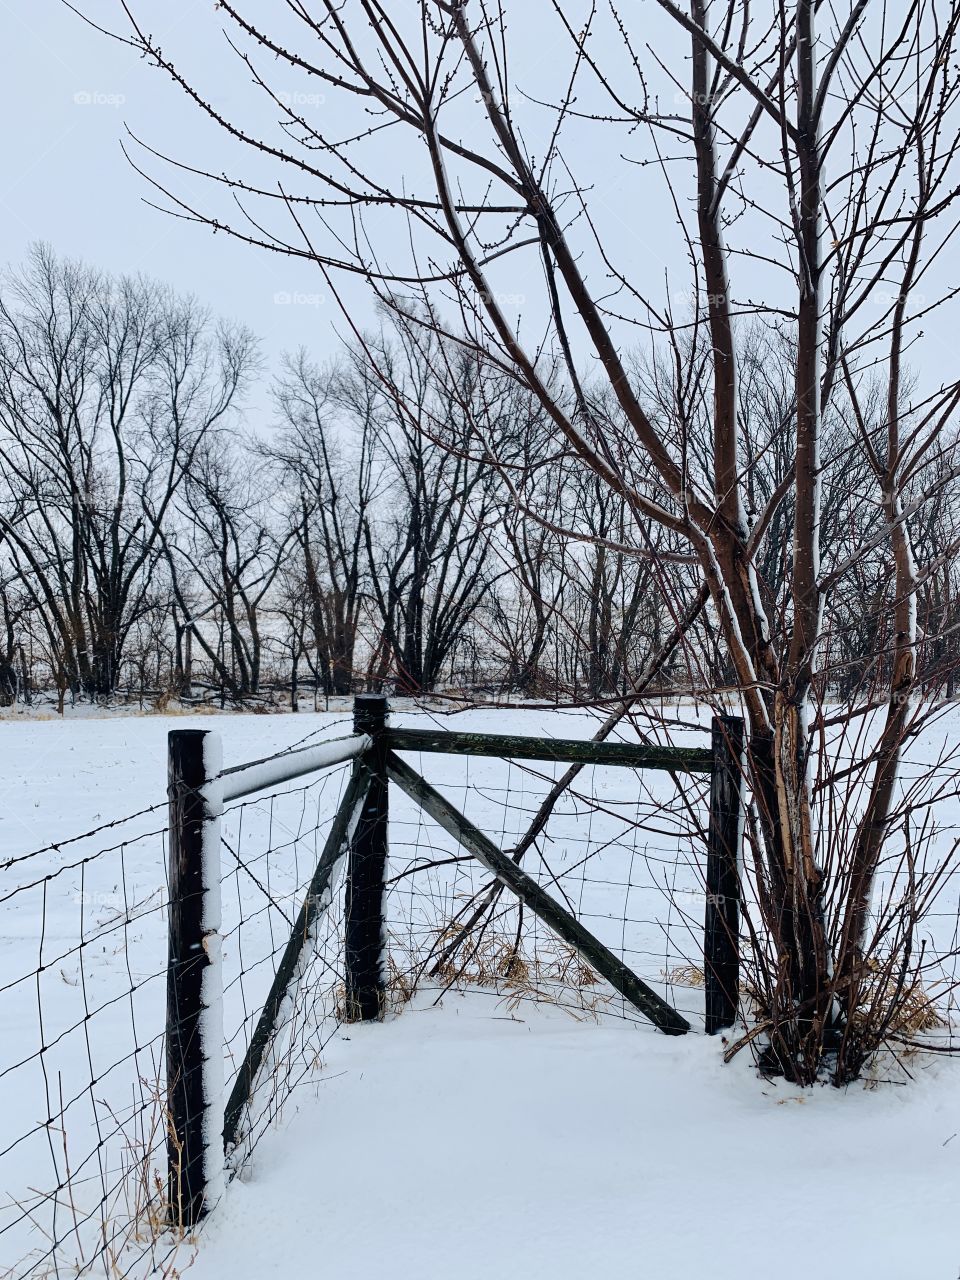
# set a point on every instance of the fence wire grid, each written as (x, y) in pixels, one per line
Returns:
(83, 991)
(83, 931)
(631, 872)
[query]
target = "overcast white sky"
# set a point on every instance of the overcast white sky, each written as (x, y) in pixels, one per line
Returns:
(67, 93)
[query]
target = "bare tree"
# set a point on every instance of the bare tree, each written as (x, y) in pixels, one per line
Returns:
(13, 609)
(428, 539)
(228, 542)
(325, 454)
(934, 530)
(820, 170)
(107, 390)
(525, 615)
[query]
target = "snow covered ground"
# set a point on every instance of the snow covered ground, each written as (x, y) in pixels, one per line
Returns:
(480, 1136)
(462, 1141)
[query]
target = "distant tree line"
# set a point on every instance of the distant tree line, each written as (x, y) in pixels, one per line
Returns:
(408, 519)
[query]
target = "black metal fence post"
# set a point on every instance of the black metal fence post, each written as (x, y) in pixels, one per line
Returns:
(364, 933)
(194, 1038)
(721, 950)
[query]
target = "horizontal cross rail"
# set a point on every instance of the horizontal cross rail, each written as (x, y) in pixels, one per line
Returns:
(244, 779)
(511, 747)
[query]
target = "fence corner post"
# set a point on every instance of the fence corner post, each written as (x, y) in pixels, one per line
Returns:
(194, 1027)
(721, 943)
(364, 928)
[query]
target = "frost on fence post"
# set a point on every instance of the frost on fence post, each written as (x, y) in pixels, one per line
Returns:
(194, 1032)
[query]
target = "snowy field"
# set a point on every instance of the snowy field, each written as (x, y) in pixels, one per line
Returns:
(473, 1134)
(458, 1141)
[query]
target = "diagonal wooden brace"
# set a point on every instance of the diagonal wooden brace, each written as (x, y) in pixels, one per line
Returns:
(315, 902)
(536, 899)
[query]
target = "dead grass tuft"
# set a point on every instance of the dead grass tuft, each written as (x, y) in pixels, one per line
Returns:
(540, 968)
(906, 1013)
(683, 975)
(127, 1220)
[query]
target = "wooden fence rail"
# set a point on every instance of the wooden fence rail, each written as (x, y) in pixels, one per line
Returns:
(516, 747)
(359, 833)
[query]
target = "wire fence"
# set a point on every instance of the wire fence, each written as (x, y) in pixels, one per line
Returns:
(83, 926)
(270, 847)
(83, 931)
(83, 935)
(626, 867)
(625, 851)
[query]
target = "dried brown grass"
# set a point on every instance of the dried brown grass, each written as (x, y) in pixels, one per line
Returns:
(683, 975)
(133, 1218)
(539, 968)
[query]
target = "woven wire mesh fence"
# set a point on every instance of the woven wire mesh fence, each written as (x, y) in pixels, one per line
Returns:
(83, 1119)
(626, 864)
(626, 851)
(270, 847)
(83, 927)
(83, 932)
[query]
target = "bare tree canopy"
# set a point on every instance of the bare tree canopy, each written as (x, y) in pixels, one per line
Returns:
(108, 390)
